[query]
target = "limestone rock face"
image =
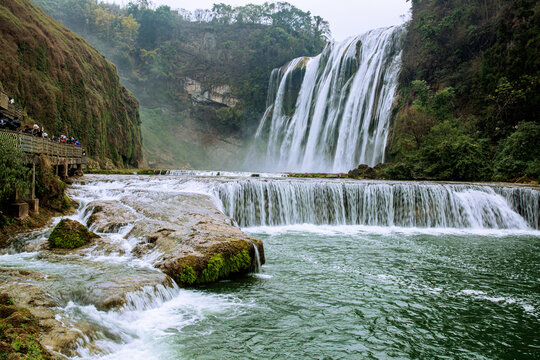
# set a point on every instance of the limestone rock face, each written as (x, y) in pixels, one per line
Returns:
(220, 95)
(70, 234)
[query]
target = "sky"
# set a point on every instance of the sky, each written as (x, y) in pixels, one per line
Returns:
(346, 17)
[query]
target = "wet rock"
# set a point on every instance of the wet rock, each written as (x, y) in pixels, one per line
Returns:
(28, 289)
(18, 330)
(113, 293)
(70, 234)
(108, 216)
(195, 243)
(45, 295)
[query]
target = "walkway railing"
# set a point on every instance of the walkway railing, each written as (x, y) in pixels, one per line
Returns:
(36, 145)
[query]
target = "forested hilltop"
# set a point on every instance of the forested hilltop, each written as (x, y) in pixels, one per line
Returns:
(65, 85)
(201, 77)
(469, 102)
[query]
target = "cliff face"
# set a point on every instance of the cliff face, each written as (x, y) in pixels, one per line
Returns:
(66, 85)
(201, 83)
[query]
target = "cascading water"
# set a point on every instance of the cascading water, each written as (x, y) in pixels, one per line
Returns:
(316, 276)
(331, 112)
(284, 202)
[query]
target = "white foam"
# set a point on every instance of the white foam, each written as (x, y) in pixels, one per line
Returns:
(334, 230)
(144, 326)
(483, 296)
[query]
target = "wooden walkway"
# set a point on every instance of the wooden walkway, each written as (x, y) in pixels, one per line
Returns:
(58, 154)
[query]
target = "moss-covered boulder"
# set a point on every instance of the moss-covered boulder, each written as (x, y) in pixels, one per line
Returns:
(193, 241)
(70, 234)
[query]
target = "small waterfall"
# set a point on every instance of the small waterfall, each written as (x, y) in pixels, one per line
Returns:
(331, 112)
(257, 256)
(423, 205)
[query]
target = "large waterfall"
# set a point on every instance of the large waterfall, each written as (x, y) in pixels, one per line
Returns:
(427, 205)
(331, 113)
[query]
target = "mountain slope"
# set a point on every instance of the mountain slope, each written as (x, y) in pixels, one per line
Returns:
(66, 85)
(469, 98)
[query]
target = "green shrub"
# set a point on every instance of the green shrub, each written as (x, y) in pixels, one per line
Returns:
(448, 152)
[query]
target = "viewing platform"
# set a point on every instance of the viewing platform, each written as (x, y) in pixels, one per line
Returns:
(70, 156)
(66, 159)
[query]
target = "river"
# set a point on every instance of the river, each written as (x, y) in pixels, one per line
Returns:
(354, 269)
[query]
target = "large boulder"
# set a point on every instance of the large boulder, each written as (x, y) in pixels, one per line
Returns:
(70, 234)
(186, 237)
(194, 242)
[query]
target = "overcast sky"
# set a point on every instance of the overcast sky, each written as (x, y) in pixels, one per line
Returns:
(346, 17)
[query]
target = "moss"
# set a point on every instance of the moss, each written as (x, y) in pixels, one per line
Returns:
(69, 234)
(220, 267)
(213, 269)
(235, 264)
(19, 332)
(187, 276)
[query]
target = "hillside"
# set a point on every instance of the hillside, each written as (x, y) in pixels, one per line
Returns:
(66, 85)
(201, 78)
(469, 102)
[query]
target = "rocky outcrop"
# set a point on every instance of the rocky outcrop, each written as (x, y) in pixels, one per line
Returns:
(219, 95)
(193, 243)
(364, 172)
(18, 332)
(28, 289)
(70, 234)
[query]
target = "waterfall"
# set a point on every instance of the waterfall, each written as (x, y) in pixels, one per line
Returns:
(331, 113)
(425, 205)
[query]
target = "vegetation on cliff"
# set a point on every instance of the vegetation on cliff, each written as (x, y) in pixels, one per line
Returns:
(66, 85)
(201, 77)
(469, 100)
(14, 174)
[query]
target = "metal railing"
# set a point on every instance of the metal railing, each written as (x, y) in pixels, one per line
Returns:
(35, 145)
